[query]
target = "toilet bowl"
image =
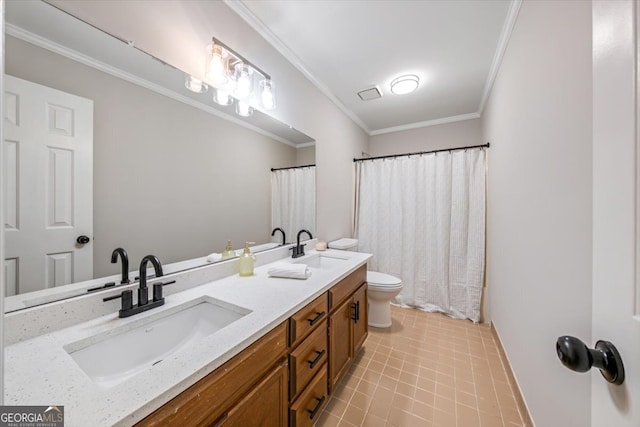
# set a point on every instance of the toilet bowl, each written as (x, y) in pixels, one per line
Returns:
(381, 289)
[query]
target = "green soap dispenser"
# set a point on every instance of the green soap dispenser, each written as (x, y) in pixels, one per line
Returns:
(228, 251)
(245, 263)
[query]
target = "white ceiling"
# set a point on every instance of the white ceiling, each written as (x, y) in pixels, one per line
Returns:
(347, 46)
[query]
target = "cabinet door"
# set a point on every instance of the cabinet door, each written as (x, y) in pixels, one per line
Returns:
(360, 327)
(265, 406)
(340, 341)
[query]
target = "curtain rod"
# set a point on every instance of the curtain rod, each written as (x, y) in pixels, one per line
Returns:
(292, 167)
(422, 152)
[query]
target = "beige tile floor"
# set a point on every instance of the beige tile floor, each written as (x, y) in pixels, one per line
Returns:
(426, 370)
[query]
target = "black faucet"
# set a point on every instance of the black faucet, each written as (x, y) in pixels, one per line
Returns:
(298, 249)
(125, 263)
(284, 239)
(143, 293)
(128, 309)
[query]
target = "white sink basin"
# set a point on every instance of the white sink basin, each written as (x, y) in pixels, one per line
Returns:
(321, 260)
(112, 357)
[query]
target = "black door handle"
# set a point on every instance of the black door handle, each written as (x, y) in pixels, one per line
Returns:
(83, 240)
(575, 355)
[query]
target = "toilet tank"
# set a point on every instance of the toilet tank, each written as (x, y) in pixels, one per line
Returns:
(344, 244)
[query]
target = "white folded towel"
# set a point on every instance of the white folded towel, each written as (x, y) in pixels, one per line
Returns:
(289, 271)
(214, 257)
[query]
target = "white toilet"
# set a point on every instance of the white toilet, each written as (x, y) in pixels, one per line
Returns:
(381, 289)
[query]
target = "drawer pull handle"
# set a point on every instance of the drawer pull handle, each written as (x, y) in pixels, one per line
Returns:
(313, 412)
(319, 315)
(313, 362)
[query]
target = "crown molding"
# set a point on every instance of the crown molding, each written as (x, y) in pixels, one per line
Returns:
(507, 29)
(427, 123)
(250, 18)
(89, 61)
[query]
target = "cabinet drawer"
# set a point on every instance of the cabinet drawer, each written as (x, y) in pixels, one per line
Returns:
(307, 359)
(209, 398)
(347, 286)
(307, 318)
(306, 409)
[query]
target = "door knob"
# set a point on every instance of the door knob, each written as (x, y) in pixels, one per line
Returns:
(82, 240)
(575, 355)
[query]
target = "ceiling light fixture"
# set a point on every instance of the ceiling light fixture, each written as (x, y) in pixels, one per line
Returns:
(405, 84)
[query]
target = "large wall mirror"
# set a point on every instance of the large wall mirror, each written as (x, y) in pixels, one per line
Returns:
(126, 156)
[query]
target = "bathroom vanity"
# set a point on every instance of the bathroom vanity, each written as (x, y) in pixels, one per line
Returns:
(253, 385)
(281, 349)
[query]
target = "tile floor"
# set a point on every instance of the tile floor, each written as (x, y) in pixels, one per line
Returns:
(426, 370)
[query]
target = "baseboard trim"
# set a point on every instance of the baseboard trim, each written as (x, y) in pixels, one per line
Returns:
(522, 406)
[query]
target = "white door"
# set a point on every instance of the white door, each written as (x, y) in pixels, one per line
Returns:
(616, 289)
(48, 186)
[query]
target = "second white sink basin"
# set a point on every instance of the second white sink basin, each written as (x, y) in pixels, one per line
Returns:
(116, 355)
(322, 260)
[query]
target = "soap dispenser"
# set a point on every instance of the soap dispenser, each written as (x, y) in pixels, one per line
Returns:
(228, 251)
(245, 263)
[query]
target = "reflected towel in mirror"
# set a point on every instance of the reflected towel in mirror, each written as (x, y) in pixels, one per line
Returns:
(214, 257)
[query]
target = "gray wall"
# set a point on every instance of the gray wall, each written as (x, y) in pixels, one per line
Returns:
(169, 179)
(306, 156)
(539, 236)
(449, 135)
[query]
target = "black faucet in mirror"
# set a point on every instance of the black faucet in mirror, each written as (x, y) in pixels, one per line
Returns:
(284, 238)
(298, 249)
(125, 264)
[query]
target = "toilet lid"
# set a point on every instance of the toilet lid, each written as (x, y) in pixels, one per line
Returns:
(383, 279)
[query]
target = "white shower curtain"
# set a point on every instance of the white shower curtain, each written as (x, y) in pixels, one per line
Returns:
(423, 219)
(293, 201)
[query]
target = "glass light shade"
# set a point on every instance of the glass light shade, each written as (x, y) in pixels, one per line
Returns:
(267, 94)
(195, 85)
(244, 81)
(217, 64)
(222, 97)
(405, 84)
(243, 109)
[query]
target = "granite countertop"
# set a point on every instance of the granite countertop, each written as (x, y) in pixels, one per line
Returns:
(39, 371)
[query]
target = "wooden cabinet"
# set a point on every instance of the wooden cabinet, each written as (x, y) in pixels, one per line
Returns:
(307, 359)
(286, 376)
(307, 318)
(360, 323)
(306, 409)
(209, 399)
(308, 362)
(265, 405)
(347, 323)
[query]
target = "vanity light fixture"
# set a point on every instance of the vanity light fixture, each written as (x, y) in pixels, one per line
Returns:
(267, 94)
(243, 109)
(195, 85)
(222, 97)
(405, 84)
(232, 75)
